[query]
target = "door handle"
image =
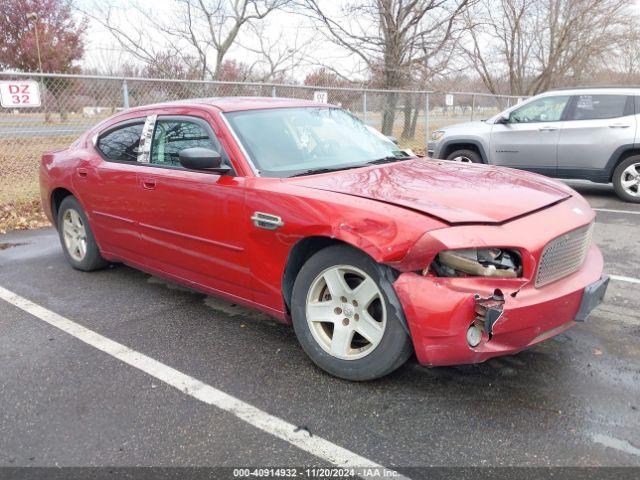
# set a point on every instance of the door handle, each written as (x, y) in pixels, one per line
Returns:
(267, 221)
(619, 125)
(82, 172)
(149, 183)
(548, 129)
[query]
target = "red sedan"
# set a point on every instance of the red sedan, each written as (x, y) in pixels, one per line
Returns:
(301, 211)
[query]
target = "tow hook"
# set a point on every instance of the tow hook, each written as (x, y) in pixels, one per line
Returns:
(488, 311)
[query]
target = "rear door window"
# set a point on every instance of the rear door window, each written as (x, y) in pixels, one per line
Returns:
(594, 107)
(121, 144)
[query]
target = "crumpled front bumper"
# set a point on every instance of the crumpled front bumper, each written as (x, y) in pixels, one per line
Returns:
(440, 310)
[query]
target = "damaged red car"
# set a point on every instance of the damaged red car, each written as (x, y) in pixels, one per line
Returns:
(301, 211)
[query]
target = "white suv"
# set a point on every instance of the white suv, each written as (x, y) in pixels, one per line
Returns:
(585, 133)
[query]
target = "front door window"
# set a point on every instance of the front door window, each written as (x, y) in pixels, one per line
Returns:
(546, 109)
(172, 136)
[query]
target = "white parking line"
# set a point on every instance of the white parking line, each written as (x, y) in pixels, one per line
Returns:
(615, 211)
(275, 426)
(616, 443)
(621, 278)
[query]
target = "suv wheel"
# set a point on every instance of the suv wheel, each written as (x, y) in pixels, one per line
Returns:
(626, 179)
(465, 156)
(345, 315)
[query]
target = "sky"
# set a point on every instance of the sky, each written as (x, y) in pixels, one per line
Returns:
(290, 28)
(101, 48)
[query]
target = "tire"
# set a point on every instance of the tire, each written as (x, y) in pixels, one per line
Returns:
(375, 341)
(465, 156)
(623, 174)
(74, 231)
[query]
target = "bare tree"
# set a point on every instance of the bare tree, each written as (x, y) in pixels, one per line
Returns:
(276, 55)
(626, 62)
(393, 39)
(201, 29)
(528, 46)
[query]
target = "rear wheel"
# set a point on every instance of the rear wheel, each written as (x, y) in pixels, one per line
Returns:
(76, 237)
(345, 315)
(465, 156)
(626, 179)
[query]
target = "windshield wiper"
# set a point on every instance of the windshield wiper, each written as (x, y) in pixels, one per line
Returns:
(387, 159)
(314, 171)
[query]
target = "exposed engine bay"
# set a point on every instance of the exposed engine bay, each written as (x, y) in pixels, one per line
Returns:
(482, 262)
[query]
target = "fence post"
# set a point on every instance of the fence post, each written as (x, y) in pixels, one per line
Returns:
(426, 123)
(44, 98)
(273, 91)
(473, 105)
(364, 106)
(125, 93)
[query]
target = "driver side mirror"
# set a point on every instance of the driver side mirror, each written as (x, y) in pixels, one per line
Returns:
(197, 158)
(503, 118)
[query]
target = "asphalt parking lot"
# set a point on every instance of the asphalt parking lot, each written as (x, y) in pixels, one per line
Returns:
(571, 401)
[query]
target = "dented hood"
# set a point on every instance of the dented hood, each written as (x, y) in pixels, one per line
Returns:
(451, 191)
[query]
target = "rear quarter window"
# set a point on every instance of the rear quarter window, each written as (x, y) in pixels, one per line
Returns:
(121, 144)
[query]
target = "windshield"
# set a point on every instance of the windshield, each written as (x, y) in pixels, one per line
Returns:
(283, 142)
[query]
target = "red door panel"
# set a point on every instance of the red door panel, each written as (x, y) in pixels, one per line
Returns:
(192, 225)
(110, 192)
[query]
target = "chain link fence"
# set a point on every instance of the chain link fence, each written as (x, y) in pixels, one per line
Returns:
(71, 104)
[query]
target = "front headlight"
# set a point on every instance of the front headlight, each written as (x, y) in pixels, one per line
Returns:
(482, 262)
(437, 135)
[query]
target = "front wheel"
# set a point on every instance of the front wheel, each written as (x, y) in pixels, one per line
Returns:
(465, 156)
(626, 179)
(76, 237)
(346, 315)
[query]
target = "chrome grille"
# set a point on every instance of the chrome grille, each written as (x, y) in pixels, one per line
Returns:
(564, 255)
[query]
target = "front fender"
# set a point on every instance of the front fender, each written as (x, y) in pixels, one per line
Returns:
(448, 143)
(382, 231)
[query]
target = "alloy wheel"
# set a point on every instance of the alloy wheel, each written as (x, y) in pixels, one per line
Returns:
(462, 159)
(346, 312)
(630, 180)
(75, 235)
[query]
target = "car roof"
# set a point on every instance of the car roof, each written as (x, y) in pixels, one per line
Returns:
(234, 104)
(600, 90)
